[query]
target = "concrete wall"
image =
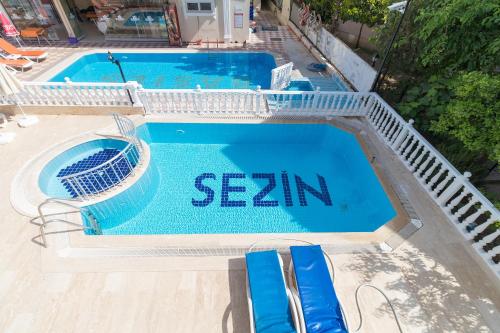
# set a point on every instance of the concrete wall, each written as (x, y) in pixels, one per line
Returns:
(240, 34)
(257, 4)
(283, 15)
(327, 47)
(348, 32)
(195, 28)
(358, 72)
(352, 66)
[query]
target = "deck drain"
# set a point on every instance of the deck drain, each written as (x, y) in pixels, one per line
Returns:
(276, 39)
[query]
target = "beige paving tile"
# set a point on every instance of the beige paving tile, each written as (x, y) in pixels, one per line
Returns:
(435, 283)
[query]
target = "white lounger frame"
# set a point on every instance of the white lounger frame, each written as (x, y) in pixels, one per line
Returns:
(39, 58)
(291, 302)
(28, 65)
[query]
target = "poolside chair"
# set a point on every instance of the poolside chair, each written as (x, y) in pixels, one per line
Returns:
(34, 33)
(270, 303)
(36, 55)
(318, 306)
(20, 63)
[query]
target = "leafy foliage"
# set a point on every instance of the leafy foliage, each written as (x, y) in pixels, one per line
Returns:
(328, 9)
(460, 34)
(442, 74)
(473, 113)
(369, 12)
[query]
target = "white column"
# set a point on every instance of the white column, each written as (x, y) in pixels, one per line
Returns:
(226, 8)
(64, 18)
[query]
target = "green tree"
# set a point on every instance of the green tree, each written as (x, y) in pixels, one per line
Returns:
(406, 71)
(366, 12)
(460, 34)
(473, 114)
(444, 74)
(454, 36)
(327, 9)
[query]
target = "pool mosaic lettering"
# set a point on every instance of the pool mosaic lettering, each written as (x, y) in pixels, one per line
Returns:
(230, 184)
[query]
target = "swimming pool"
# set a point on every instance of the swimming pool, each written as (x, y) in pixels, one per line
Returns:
(211, 70)
(77, 159)
(249, 178)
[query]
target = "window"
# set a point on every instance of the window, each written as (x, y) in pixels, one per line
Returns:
(192, 6)
(206, 6)
(199, 8)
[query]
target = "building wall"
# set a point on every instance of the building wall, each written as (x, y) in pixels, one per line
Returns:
(348, 31)
(282, 14)
(195, 28)
(240, 34)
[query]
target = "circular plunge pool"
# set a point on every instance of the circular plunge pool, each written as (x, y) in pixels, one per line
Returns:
(76, 159)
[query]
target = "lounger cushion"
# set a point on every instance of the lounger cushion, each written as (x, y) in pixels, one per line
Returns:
(270, 303)
(320, 305)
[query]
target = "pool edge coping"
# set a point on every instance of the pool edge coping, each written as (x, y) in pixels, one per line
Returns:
(78, 245)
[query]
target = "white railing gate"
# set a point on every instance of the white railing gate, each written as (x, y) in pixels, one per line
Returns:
(281, 76)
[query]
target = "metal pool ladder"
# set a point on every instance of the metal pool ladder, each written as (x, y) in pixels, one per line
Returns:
(95, 227)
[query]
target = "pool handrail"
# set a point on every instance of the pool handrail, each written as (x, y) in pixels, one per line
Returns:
(134, 149)
(64, 202)
(100, 166)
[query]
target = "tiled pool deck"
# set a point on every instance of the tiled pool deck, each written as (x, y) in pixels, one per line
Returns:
(432, 277)
(435, 282)
(283, 44)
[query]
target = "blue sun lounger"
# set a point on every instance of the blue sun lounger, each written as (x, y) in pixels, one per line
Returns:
(319, 308)
(270, 303)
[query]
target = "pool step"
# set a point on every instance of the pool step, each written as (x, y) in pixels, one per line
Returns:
(101, 180)
(89, 162)
(333, 83)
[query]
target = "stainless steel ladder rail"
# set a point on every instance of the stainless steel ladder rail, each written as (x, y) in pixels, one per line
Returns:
(95, 225)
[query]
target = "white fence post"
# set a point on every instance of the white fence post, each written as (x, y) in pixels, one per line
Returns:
(403, 134)
(317, 96)
(74, 92)
(258, 98)
(133, 87)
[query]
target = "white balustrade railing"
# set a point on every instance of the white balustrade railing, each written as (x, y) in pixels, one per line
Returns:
(198, 101)
(473, 214)
(253, 102)
(316, 103)
(127, 129)
(88, 183)
(76, 94)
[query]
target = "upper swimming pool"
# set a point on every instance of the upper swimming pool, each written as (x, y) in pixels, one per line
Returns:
(248, 178)
(213, 70)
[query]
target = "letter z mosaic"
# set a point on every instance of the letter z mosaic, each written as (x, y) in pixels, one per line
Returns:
(234, 183)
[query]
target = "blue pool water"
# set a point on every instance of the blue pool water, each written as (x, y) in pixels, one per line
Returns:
(242, 178)
(73, 161)
(214, 70)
